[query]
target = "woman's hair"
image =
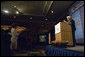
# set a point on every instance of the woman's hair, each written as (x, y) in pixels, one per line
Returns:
(68, 17)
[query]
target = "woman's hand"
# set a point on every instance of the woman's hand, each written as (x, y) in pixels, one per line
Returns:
(64, 21)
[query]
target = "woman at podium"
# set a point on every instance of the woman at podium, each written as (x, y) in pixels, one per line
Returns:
(72, 23)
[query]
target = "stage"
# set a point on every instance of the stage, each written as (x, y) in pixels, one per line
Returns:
(76, 48)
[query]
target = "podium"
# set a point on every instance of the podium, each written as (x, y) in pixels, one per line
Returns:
(63, 33)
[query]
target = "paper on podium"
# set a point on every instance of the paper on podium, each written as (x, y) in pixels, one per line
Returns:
(61, 27)
(57, 28)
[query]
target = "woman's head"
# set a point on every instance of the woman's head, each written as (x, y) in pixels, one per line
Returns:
(68, 18)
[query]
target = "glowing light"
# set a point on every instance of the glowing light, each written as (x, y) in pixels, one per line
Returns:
(17, 12)
(19, 28)
(6, 11)
(51, 11)
(15, 6)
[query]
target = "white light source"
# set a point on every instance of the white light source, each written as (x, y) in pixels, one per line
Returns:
(51, 11)
(17, 12)
(6, 11)
(15, 6)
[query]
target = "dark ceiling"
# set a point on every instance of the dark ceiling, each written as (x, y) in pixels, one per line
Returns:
(34, 8)
(34, 14)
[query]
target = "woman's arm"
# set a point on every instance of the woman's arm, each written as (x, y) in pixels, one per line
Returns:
(65, 21)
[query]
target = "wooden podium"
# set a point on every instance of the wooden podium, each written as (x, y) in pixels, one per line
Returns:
(63, 33)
